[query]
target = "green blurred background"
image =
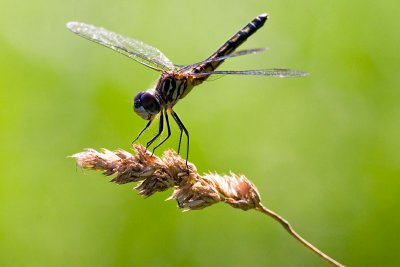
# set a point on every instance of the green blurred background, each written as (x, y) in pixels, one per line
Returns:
(322, 150)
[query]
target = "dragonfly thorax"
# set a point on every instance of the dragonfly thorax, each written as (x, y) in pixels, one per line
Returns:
(172, 87)
(146, 105)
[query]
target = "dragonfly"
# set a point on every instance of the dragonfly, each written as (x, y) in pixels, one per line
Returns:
(176, 81)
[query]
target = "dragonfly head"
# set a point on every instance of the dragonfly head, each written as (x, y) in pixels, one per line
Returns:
(146, 105)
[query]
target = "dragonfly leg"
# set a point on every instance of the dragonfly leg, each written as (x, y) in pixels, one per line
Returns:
(160, 129)
(169, 132)
(182, 128)
(142, 131)
(180, 139)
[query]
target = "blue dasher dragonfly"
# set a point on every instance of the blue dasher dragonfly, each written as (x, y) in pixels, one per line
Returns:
(176, 81)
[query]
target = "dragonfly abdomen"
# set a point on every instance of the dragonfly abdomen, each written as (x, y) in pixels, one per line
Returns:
(234, 42)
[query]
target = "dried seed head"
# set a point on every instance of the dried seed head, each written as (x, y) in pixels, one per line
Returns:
(191, 190)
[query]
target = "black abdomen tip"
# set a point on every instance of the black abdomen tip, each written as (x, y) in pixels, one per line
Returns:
(259, 20)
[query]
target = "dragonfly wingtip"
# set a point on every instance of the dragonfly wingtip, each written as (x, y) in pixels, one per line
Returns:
(71, 25)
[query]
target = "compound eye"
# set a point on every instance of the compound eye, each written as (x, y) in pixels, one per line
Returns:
(149, 102)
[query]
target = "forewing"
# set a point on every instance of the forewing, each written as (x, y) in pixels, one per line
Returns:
(222, 58)
(264, 72)
(130, 47)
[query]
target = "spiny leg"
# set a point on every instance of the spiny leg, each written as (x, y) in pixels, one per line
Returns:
(182, 127)
(169, 132)
(160, 129)
(142, 131)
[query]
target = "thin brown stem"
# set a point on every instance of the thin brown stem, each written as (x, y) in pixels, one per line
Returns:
(292, 232)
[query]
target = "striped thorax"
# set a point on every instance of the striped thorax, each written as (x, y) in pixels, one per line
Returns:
(173, 86)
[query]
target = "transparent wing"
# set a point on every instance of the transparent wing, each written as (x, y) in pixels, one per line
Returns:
(130, 47)
(234, 54)
(265, 72)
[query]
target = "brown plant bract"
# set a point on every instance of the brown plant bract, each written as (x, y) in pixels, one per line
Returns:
(191, 190)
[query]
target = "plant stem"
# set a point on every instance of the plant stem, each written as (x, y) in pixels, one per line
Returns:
(290, 230)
